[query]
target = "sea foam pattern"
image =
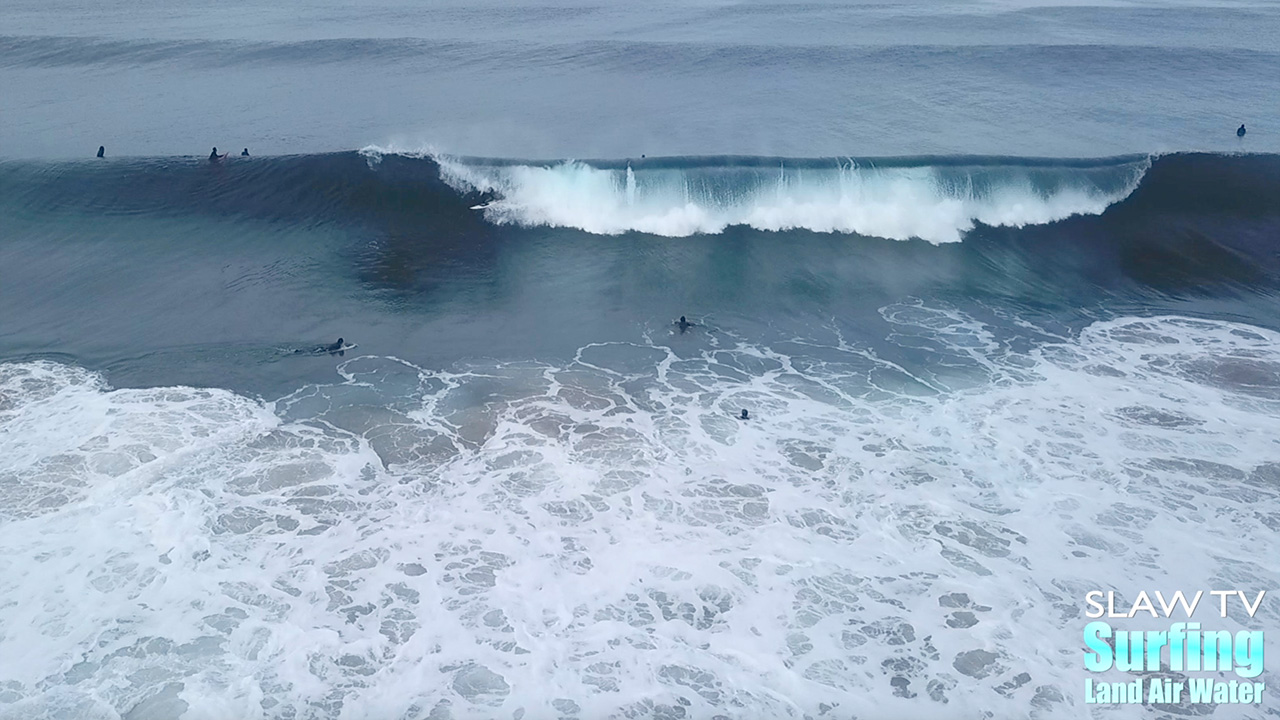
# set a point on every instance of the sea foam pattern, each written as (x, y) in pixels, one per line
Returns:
(605, 539)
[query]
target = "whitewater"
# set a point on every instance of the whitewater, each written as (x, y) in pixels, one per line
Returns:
(890, 198)
(996, 282)
(605, 539)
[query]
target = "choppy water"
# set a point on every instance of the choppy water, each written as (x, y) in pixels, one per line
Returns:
(603, 538)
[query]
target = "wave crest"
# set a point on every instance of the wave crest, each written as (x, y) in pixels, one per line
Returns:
(896, 200)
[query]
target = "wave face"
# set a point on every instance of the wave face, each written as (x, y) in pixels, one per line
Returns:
(938, 199)
(528, 494)
(895, 198)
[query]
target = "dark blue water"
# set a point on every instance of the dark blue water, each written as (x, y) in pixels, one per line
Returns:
(996, 283)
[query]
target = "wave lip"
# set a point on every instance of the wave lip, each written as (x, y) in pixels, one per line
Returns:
(892, 198)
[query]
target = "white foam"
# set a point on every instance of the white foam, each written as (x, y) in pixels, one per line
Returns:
(605, 539)
(938, 204)
(373, 154)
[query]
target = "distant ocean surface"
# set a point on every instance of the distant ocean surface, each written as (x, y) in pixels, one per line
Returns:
(584, 79)
(998, 284)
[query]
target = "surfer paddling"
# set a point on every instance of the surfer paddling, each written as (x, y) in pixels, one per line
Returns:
(334, 348)
(684, 325)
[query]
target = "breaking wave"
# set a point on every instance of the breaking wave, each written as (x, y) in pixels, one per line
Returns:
(938, 199)
(924, 198)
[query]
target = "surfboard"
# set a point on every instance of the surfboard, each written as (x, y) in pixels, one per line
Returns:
(322, 350)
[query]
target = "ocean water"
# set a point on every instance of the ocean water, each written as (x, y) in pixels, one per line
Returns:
(586, 79)
(997, 283)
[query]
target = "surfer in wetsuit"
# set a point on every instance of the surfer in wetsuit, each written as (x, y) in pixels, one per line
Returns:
(214, 156)
(1240, 132)
(102, 150)
(684, 325)
(745, 415)
(244, 153)
(335, 348)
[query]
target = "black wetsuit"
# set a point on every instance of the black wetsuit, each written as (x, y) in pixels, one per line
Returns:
(332, 348)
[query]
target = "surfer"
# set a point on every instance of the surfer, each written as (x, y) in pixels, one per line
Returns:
(243, 153)
(745, 415)
(214, 156)
(1240, 132)
(102, 150)
(684, 325)
(336, 348)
